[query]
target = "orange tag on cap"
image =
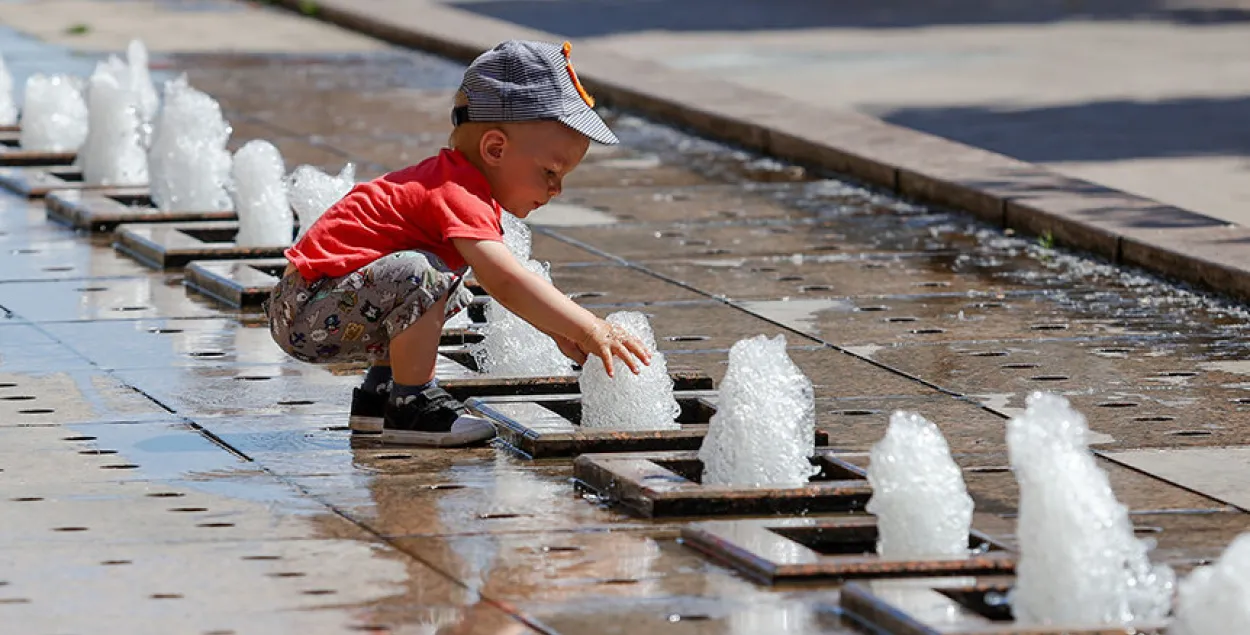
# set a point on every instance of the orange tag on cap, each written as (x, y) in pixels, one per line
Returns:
(577, 83)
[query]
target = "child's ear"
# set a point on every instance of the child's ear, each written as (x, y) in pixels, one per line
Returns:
(492, 146)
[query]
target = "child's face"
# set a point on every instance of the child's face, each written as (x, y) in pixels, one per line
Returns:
(526, 166)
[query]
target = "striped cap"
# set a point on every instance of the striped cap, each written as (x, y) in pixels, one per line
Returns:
(526, 81)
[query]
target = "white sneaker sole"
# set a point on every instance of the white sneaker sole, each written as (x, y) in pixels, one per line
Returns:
(365, 425)
(467, 430)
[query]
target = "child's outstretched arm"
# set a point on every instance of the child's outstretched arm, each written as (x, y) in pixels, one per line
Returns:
(538, 302)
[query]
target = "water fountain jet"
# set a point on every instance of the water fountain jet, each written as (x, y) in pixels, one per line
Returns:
(113, 153)
(512, 346)
(312, 192)
(763, 432)
(1215, 599)
(260, 196)
(54, 114)
(190, 166)
(918, 494)
(8, 107)
(1079, 560)
(628, 401)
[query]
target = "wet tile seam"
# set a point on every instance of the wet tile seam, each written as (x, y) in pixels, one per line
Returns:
(504, 606)
(1110, 456)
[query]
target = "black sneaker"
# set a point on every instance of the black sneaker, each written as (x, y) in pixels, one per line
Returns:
(433, 418)
(368, 408)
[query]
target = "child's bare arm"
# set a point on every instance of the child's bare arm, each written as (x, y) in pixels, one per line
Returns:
(538, 302)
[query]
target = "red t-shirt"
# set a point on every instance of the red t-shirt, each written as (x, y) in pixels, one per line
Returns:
(421, 207)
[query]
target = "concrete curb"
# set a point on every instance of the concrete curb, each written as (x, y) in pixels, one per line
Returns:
(1121, 227)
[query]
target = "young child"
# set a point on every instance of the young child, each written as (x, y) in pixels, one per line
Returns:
(375, 277)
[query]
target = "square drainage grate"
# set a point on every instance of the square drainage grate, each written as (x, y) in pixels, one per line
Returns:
(548, 426)
(12, 154)
(953, 606)
(173, 245)
(104, 209)
(38, 182)
(668, 484)
(835, 547)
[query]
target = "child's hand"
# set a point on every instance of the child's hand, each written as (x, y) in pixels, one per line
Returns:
(570, 349)
(606, 340)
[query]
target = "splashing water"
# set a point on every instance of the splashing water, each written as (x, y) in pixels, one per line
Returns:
(312, 192)
(765, 424)
(54, 116)
(259, 192)
(8, 107)
(1215, 599)
(140, 80)
(1079, 560)
(189, 162)
(113, 153)
(516, 236)
(918, 493)
(512, 346)
(628, 401)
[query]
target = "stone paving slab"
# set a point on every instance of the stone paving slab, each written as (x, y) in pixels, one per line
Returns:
(114, 298)
(171, 343)
(688, 205)
(242, 389)
(1187, 467)
(493, 502)
(797, 611)
(64, 257)
(1131, 364)
(833, 374)
(57, 398)
(255, 440)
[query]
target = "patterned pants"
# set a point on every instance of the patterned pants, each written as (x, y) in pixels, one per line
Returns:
(353, 317)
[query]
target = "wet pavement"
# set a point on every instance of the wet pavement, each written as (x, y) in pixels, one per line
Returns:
(160, 451)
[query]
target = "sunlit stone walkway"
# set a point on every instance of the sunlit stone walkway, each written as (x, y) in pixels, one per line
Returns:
(166, 469)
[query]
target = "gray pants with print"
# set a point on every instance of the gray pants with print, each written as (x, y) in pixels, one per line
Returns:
(353, 317)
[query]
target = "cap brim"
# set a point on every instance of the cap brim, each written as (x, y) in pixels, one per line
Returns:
(588, 123)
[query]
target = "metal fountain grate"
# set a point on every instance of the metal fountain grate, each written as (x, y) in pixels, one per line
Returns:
(669, 484)
(835, 547)
(953, 606)
(543, 426)
(103, 210)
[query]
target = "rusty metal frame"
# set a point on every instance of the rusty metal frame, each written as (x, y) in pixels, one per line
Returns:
(777, 550)
(13, 155)
(173, 245)
(539, 425)
(952, 606)
(102, 210)
(37, 182)
(659, 484)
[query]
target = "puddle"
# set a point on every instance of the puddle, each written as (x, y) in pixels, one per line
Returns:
(566, 215)
(800, 315)
(866, 351)
(1234, 367)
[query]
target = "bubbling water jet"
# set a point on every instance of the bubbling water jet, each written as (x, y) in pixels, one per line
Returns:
(1079, 560)
(8, 107)
(628, 401)
(1215, 599)
(512, 346)
(113, 153)
(918, 494)
(54, 114)
(312, 192)
(189, 163)
(259, 192)
(764, 429)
